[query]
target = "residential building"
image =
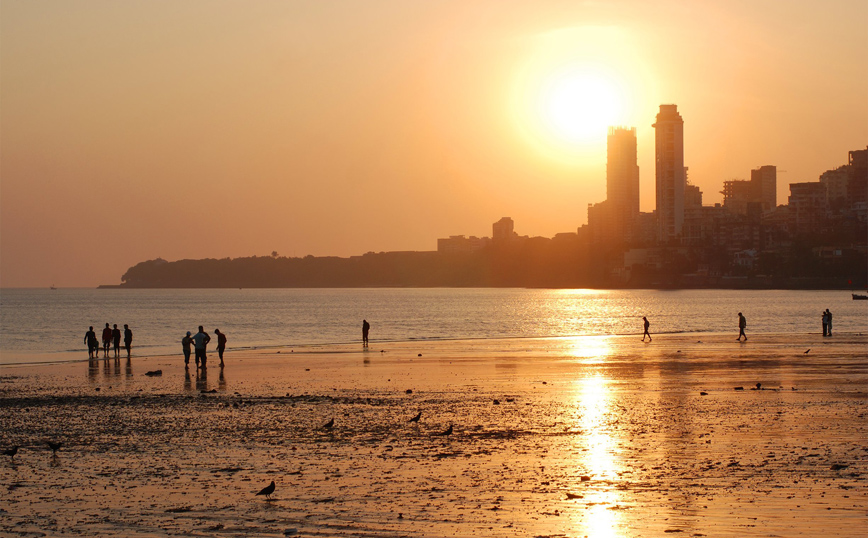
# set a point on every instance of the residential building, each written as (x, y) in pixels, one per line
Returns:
(670, 172)
(503, 230)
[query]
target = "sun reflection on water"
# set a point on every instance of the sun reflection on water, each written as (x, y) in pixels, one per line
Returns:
(590, 349)
(597, 458)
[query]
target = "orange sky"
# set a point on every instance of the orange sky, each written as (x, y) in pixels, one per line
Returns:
(142, 129)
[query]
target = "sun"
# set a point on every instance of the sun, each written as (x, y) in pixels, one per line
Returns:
(579, 105)
(570, 85)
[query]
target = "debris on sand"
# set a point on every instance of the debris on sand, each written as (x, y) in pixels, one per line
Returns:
(154, 373)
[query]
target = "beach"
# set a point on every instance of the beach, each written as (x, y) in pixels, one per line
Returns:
(575, 436)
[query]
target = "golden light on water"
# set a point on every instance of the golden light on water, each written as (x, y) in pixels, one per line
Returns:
(589, 349)
(596, 458)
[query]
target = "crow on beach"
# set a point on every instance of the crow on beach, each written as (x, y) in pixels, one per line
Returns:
(329, 425)
(416, 418)
(267, 490)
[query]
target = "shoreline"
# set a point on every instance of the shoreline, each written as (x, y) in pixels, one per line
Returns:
(74, 356)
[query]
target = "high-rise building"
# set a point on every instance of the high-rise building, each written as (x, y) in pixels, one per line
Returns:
(670, 173)
(622, 181)
(764, 181)
(503, 230)
(807, 203)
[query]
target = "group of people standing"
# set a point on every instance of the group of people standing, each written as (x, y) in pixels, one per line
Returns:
(199, 343)
(111, 337)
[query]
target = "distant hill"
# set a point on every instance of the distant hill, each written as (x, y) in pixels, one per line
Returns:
(533, 263)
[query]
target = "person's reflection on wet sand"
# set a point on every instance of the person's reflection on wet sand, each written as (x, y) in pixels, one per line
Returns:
(221, 382)
(129, 367)
(92, 369)
(202, 379)
(188, 381)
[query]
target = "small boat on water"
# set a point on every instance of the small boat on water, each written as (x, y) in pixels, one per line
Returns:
(52, 287)
(857, 297)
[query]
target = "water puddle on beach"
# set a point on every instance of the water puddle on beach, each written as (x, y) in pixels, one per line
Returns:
(603, 440)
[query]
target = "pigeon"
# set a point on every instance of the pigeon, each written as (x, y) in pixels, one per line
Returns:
(416, 418)
(267, 490)
(329, 425)
(448, 431)
(54, 446)
(11, 452)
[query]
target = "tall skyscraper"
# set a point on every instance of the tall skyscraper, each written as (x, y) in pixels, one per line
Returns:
(622, 181)
(671, 177)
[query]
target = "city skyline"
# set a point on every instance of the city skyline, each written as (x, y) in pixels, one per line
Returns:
(135, 131)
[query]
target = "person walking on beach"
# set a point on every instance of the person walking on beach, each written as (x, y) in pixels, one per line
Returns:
(116, 340)
(742, 323)
(92, 343)
(221, 344)
(365, 328)
(128, 339)
(647, 324)
(200, 343)
(106, 340)
(829, 321)
(186, 344)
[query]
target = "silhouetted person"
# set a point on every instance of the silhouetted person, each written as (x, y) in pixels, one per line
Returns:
(742, 323)
(106, 339)
(221, 344)
(200, 343)
(187, 346)
(829, 321)
(128, 339)
(366, 327)
(92, 343)
(825, 324)
(647, 324)
(116, 340)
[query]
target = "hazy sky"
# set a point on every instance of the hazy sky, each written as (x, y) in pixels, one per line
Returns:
(207, 129)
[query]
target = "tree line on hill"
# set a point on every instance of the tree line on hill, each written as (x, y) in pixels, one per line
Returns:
(536, 262)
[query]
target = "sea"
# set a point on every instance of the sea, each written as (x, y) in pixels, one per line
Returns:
(48, 325)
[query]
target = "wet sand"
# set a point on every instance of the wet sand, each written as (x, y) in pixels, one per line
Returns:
(590, 436)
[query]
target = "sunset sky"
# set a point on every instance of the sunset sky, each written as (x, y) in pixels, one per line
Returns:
(208, 129)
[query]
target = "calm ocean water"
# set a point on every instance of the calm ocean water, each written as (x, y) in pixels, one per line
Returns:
(43, 325)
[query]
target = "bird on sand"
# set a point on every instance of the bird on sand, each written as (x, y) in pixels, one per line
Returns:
(54, 446)
(807, 351)
(448, 431)
(267, 490)
(416, 418)
(329, 425)
(11, 452)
